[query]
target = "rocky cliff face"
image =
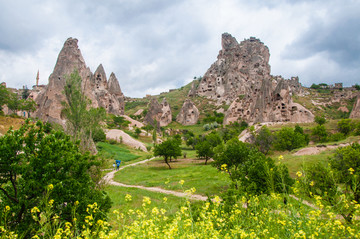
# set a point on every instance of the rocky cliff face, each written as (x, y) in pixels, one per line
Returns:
(241, 77)
(239, 69)
(95, 86)
(159, 112)
(189, 114)
(271, 103)
(355, 113)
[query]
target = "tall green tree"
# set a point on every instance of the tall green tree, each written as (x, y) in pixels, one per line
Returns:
(4, 96)
(30, 161)
(168, 149)
(81, 119)
(13, 102)
(264, 140)
(29, 106)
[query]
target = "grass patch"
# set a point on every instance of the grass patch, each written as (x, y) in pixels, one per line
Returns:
(295, 162)
(206, 179)
(117, 195)
(112, 152)
(7, 121)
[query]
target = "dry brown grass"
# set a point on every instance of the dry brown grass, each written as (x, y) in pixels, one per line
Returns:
(6, 122)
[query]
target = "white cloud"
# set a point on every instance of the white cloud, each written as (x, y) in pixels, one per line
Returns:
(156, 45)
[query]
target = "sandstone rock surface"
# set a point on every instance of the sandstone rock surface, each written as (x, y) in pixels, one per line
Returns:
(95, 86)
(159, 112)
(271, 103)
(120, 135)
(241, 77)
(355, 113)
(189, 114)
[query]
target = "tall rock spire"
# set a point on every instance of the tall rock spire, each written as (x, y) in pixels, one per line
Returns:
(95, 87)
(37, 78)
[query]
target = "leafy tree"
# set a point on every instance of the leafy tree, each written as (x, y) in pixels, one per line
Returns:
(206, 144)
(357, 86)
(137, 132)
(168, 149)
(204, 150)
(320, 133)
(119, 122)
(25, 93)
(346, 162)
(13, 102)
(154, 136)
(81, 122)
(4, 96)
(30, 161)
(289, 139)
(315, 86)
(345, 126)
(264, 140)
(250, 170)
(320, 120)
(29, 106)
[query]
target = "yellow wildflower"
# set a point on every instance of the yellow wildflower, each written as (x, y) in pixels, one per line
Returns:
(181, 182)
(50, 187)
(351, 170)
(280, 158)
(312, 183)
(7, 208)
(299, 174)
(128, 198)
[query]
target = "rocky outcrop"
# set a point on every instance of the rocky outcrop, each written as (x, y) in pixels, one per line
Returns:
(241, 77)
(189, 114)
(159, 112)
(239, 69)
(192, 91)
(272, 102)
(95, 86)
(355, 113)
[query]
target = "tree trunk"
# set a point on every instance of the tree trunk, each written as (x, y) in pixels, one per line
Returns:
(166, 161)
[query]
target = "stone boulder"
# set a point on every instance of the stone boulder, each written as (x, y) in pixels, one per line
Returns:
(189, 114)
(94, 86)
(159, 112)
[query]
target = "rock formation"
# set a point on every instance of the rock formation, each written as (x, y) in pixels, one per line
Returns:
(189, 114)
(241, 77)
(95, 87)
(239, 70)
(355, 113)
(270, 103)
(192, 91)
(159, 112)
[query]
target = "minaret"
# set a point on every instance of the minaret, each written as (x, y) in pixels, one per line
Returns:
(37, 78)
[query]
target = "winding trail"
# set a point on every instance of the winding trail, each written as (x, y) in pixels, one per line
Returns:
(109, 179)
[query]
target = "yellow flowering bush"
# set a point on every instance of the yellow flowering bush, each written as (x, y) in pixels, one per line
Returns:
(265, 216)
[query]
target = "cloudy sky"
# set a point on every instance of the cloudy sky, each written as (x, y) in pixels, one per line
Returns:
(155, 45)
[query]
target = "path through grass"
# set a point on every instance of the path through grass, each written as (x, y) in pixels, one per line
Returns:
(206, 179)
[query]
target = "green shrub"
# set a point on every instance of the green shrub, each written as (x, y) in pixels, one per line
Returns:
(289, 139)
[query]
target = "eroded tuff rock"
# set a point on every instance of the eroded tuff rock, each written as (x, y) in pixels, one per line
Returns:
(270, 103)
(241, 77)
(192, 91)
(189, 114)
(159, 112)
(238, 70)
(95, 86)
(355, 113)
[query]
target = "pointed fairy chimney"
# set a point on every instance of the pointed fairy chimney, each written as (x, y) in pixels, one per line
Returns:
(37, 78)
